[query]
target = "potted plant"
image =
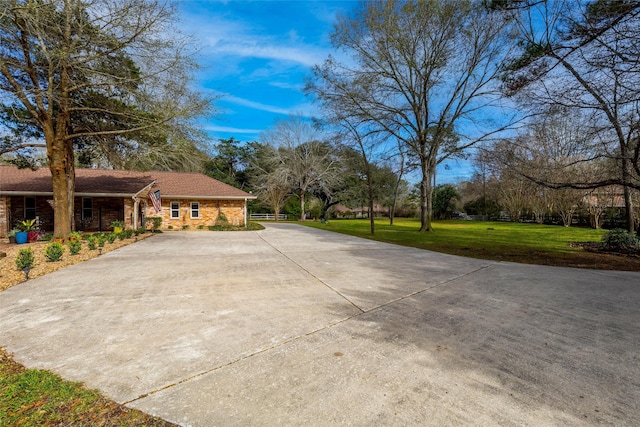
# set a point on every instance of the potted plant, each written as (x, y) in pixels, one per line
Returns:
(117, 226)
(32, 230)
(12, 236)
(26, 230)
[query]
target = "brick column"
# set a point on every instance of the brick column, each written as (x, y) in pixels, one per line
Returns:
(4, 216)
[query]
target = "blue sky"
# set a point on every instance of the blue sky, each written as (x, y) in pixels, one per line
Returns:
(256, 54)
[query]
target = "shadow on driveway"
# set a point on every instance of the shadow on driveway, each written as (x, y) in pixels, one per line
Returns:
(292, 325)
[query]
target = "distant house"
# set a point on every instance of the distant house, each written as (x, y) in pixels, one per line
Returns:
(611, 196)
(360, 212)
(104, 196)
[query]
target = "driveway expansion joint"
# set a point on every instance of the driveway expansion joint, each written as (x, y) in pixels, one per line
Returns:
(313, 275)
(313, 332)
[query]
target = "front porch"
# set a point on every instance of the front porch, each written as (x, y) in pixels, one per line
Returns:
(91, 214)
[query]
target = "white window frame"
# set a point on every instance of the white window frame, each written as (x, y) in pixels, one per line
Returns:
(197, 210)
(175, 211)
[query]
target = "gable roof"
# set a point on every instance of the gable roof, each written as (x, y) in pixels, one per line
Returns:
(119, 183)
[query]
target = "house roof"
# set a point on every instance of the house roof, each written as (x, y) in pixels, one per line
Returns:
(119, 183)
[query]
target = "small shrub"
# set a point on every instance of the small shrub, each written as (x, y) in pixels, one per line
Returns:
(200, 227)
(619, 240)
(25, 259)
(170, 227)
(128, 233)
(122, 236)
(111, 237)
(75, 235)
(92, 242)
(46, 237)
(140, 231)
(54, 251)
(185, 227)
(74, 246)
(222, 218)
(156, 220)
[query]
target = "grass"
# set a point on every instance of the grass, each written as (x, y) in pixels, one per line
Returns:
(498, 241)
(31, 397)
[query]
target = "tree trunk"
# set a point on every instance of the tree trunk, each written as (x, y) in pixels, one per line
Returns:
(628, 207)
(426, 199)
(372, 225)
(567, 217)
(61, 165)
(394, 202)
(302, 213)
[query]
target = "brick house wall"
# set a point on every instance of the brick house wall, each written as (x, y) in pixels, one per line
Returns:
(104, 210)
(15, 211)
(233, 210)
(5, 206)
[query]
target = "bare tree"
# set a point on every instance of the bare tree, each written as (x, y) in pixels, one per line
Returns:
(422, 72)
(305, 160)
(513, 194)
(598, 201)
(90, 72)
(268, 178)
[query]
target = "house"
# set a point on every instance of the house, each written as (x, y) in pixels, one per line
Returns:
(342, 211)
(104, 196)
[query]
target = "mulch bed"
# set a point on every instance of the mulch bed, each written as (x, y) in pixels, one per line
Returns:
(10, 275)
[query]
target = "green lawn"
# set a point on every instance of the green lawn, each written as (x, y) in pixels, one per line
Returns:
(500, 241)
(32, 397)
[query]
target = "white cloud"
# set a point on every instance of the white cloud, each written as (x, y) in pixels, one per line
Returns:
(255, 105)
(214, 128)
(285, 85)
(307, 56)
(306, 109)
(233, 37)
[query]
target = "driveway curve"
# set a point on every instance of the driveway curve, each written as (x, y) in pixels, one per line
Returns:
(298, 326)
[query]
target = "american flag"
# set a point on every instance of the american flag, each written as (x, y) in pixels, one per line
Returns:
(155, 199)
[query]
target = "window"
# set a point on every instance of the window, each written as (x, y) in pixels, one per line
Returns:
(195, 210)
(29, 208)
(175, 210)
(87, 208)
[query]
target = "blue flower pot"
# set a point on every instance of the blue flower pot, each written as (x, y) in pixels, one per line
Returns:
(22, 237)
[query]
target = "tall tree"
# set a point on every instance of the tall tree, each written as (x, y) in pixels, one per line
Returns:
(583, 55)
(91, 72)
(422, 71)
(230, 161)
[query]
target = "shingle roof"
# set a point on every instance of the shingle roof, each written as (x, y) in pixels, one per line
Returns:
(119, 183)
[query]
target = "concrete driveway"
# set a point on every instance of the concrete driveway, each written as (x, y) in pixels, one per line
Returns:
(296, 326)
